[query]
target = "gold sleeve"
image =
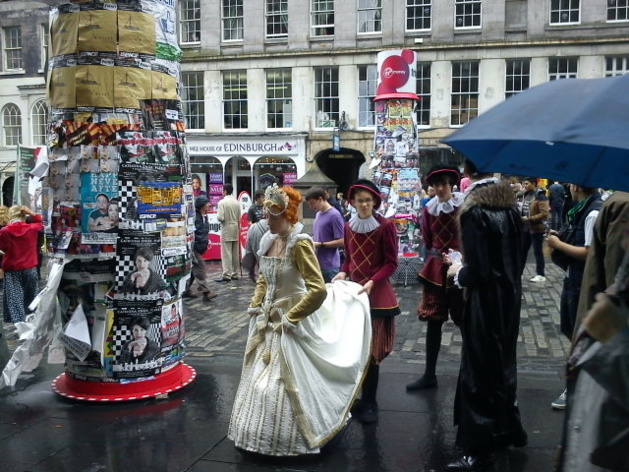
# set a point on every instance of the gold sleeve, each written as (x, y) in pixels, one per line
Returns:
(306, 262)
(258, 293)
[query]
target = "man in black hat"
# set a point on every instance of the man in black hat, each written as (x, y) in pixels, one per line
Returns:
(201, 241)
(440, 298)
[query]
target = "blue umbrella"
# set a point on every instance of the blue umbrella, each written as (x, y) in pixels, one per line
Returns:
(573, 130)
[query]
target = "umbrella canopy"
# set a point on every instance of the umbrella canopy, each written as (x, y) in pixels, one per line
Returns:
(573, 130)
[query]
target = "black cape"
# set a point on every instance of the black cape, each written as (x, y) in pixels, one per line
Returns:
(486, 409)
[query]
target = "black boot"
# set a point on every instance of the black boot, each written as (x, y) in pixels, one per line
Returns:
(368, 412)
(472, 463)
(433, 344)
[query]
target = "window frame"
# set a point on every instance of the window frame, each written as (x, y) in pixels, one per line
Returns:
(419, 5)
(270, 110)
(37, 122)
(238, 18)
(282, 13)
(372, 16)
(558, 75)
(238, 101)
(523, 75)
(471, 94)
(460, 7)
(43, 31)
(424, 81)
(617, 9)
(558, 11)
(331, 100)
(189, 15)
(327, 27)
(12, 51)
(366, 93)
(615, 70)
(197, 102)
(16, 139)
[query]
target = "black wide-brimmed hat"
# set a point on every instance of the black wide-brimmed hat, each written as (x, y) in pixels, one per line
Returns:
(367, 186)
(441, 170)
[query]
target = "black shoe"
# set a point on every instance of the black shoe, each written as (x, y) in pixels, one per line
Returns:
(234, 277)
(368, 414)
(189, 294)
(224, 279)
(472, 463)
(423, 383)
(207, 296)
(515, 439)
(357, 408)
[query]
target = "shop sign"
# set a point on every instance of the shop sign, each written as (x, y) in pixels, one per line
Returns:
(244, 147)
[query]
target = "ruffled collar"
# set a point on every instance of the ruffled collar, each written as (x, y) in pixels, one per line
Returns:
(268, 238)
(435, 207)
(480, 183)
(360, 225)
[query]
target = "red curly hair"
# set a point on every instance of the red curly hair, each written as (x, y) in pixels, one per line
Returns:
(294, 199)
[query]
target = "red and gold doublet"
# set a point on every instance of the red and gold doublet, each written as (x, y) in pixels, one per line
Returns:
(373, 256)
(440, 234)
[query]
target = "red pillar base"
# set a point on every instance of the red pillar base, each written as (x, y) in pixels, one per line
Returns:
(166, 382)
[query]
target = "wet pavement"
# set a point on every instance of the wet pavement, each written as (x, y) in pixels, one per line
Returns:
(41, 431)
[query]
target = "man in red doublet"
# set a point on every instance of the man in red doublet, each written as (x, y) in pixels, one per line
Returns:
(440, 231)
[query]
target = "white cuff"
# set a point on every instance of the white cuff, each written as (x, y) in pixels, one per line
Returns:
(456, 278)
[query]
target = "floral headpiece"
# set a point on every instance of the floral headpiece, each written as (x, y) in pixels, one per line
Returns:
(274, 196)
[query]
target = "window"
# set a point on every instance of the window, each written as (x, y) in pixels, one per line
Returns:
(44, 45)
(617, 10)
(369, 16)
(232, 20)
(192, 99)
(464, 101)
(39, 122)
(518, 76)
(235, 99)
(12, 45)
(423, 91)
(190, 21)
(276, 18)
(12, 125)
(418, 15)
(562, 68)
(616, 65)
(322, 17)
(279, 98)
(327, 96)
(564, 12)
(467, 13)
(367, 83)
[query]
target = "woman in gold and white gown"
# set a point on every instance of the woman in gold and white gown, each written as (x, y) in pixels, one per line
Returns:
(308, 345)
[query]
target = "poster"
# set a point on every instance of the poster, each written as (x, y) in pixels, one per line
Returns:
(135, 339)
(131, 83)
(95, 86)
(98, 30)
(64, 30)
(136, 32)
(140, 267)
(100, 207)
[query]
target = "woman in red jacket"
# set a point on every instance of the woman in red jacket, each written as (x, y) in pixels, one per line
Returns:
(19, 242)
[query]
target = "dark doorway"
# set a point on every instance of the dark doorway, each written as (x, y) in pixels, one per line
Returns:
(7, 191)
(341, 166)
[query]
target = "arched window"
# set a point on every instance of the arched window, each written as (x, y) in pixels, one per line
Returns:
(12, 124)
(39, 122)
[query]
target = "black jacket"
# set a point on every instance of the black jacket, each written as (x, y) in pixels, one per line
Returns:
(201, 237)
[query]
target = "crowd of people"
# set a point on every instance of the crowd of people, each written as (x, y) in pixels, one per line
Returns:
(476, 245)
(300, 386)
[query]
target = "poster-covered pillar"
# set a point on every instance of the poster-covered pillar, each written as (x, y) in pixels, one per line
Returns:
(119, 206)
(396, 148)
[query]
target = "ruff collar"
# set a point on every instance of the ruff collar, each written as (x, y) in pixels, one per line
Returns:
(480, 183)
(367, 225)
(435, 207)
